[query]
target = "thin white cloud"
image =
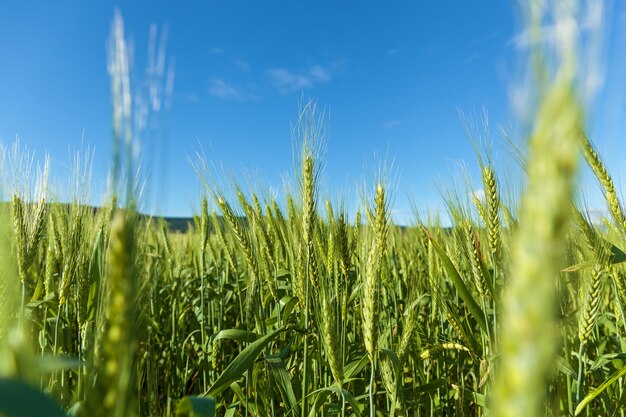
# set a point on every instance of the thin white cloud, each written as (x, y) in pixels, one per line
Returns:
(394, 51)
(192, 97)
(472, 57)
(319, 73)
(241, 65)
(286, 81)
(584, 29)
(222, 89)
(562, 30)
(390, 124)
(216, 51)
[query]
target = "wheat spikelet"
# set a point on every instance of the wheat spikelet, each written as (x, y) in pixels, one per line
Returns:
(244, 243)
(328, 317)
(38, 228)
(586, 228)
(410, 322)
(620, 282)
(113, 393)
(266, 248)
(601, 173)
(57, 221)
(274, 236)
(389, 381)
(308, 219)
(433, 284)
(381, 224)
(204, 231)
(431, 352)
(480, 208)
(51, 269)
(330, 214)
(72, 259)
(374, 267)
(370, 302)
(245, 206)
(240, 235)
(228, 250)
(493, 211)
(83, 283)
(591, 304)
(167, 248)
(343, 245)
(472, 250)
(453, 320)
(299, 278)
(278, 226)
(292, 215)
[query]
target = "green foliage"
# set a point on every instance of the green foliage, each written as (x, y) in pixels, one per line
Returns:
(18, 399)
(196, 407)
(265, 307)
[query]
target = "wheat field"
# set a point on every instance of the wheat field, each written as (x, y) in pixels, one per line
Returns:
(295, 306)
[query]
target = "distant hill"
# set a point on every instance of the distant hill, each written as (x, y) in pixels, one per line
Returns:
(178, 224)
(175, 224)
(183, 224)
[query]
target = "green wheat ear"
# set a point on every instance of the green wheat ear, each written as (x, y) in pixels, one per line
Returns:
(243, 238)
(591, 301)
(610, 194)
(493, 212)
(373, 272)
(113, 393)
(528, 341)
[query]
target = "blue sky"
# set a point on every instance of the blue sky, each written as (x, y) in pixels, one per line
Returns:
(392, 75)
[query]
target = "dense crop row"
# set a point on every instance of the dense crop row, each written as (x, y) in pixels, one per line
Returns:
(276, 311)
(268, 307)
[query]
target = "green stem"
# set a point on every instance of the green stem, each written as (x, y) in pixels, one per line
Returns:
(306, 352)
(371, 389)
(581, 365)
